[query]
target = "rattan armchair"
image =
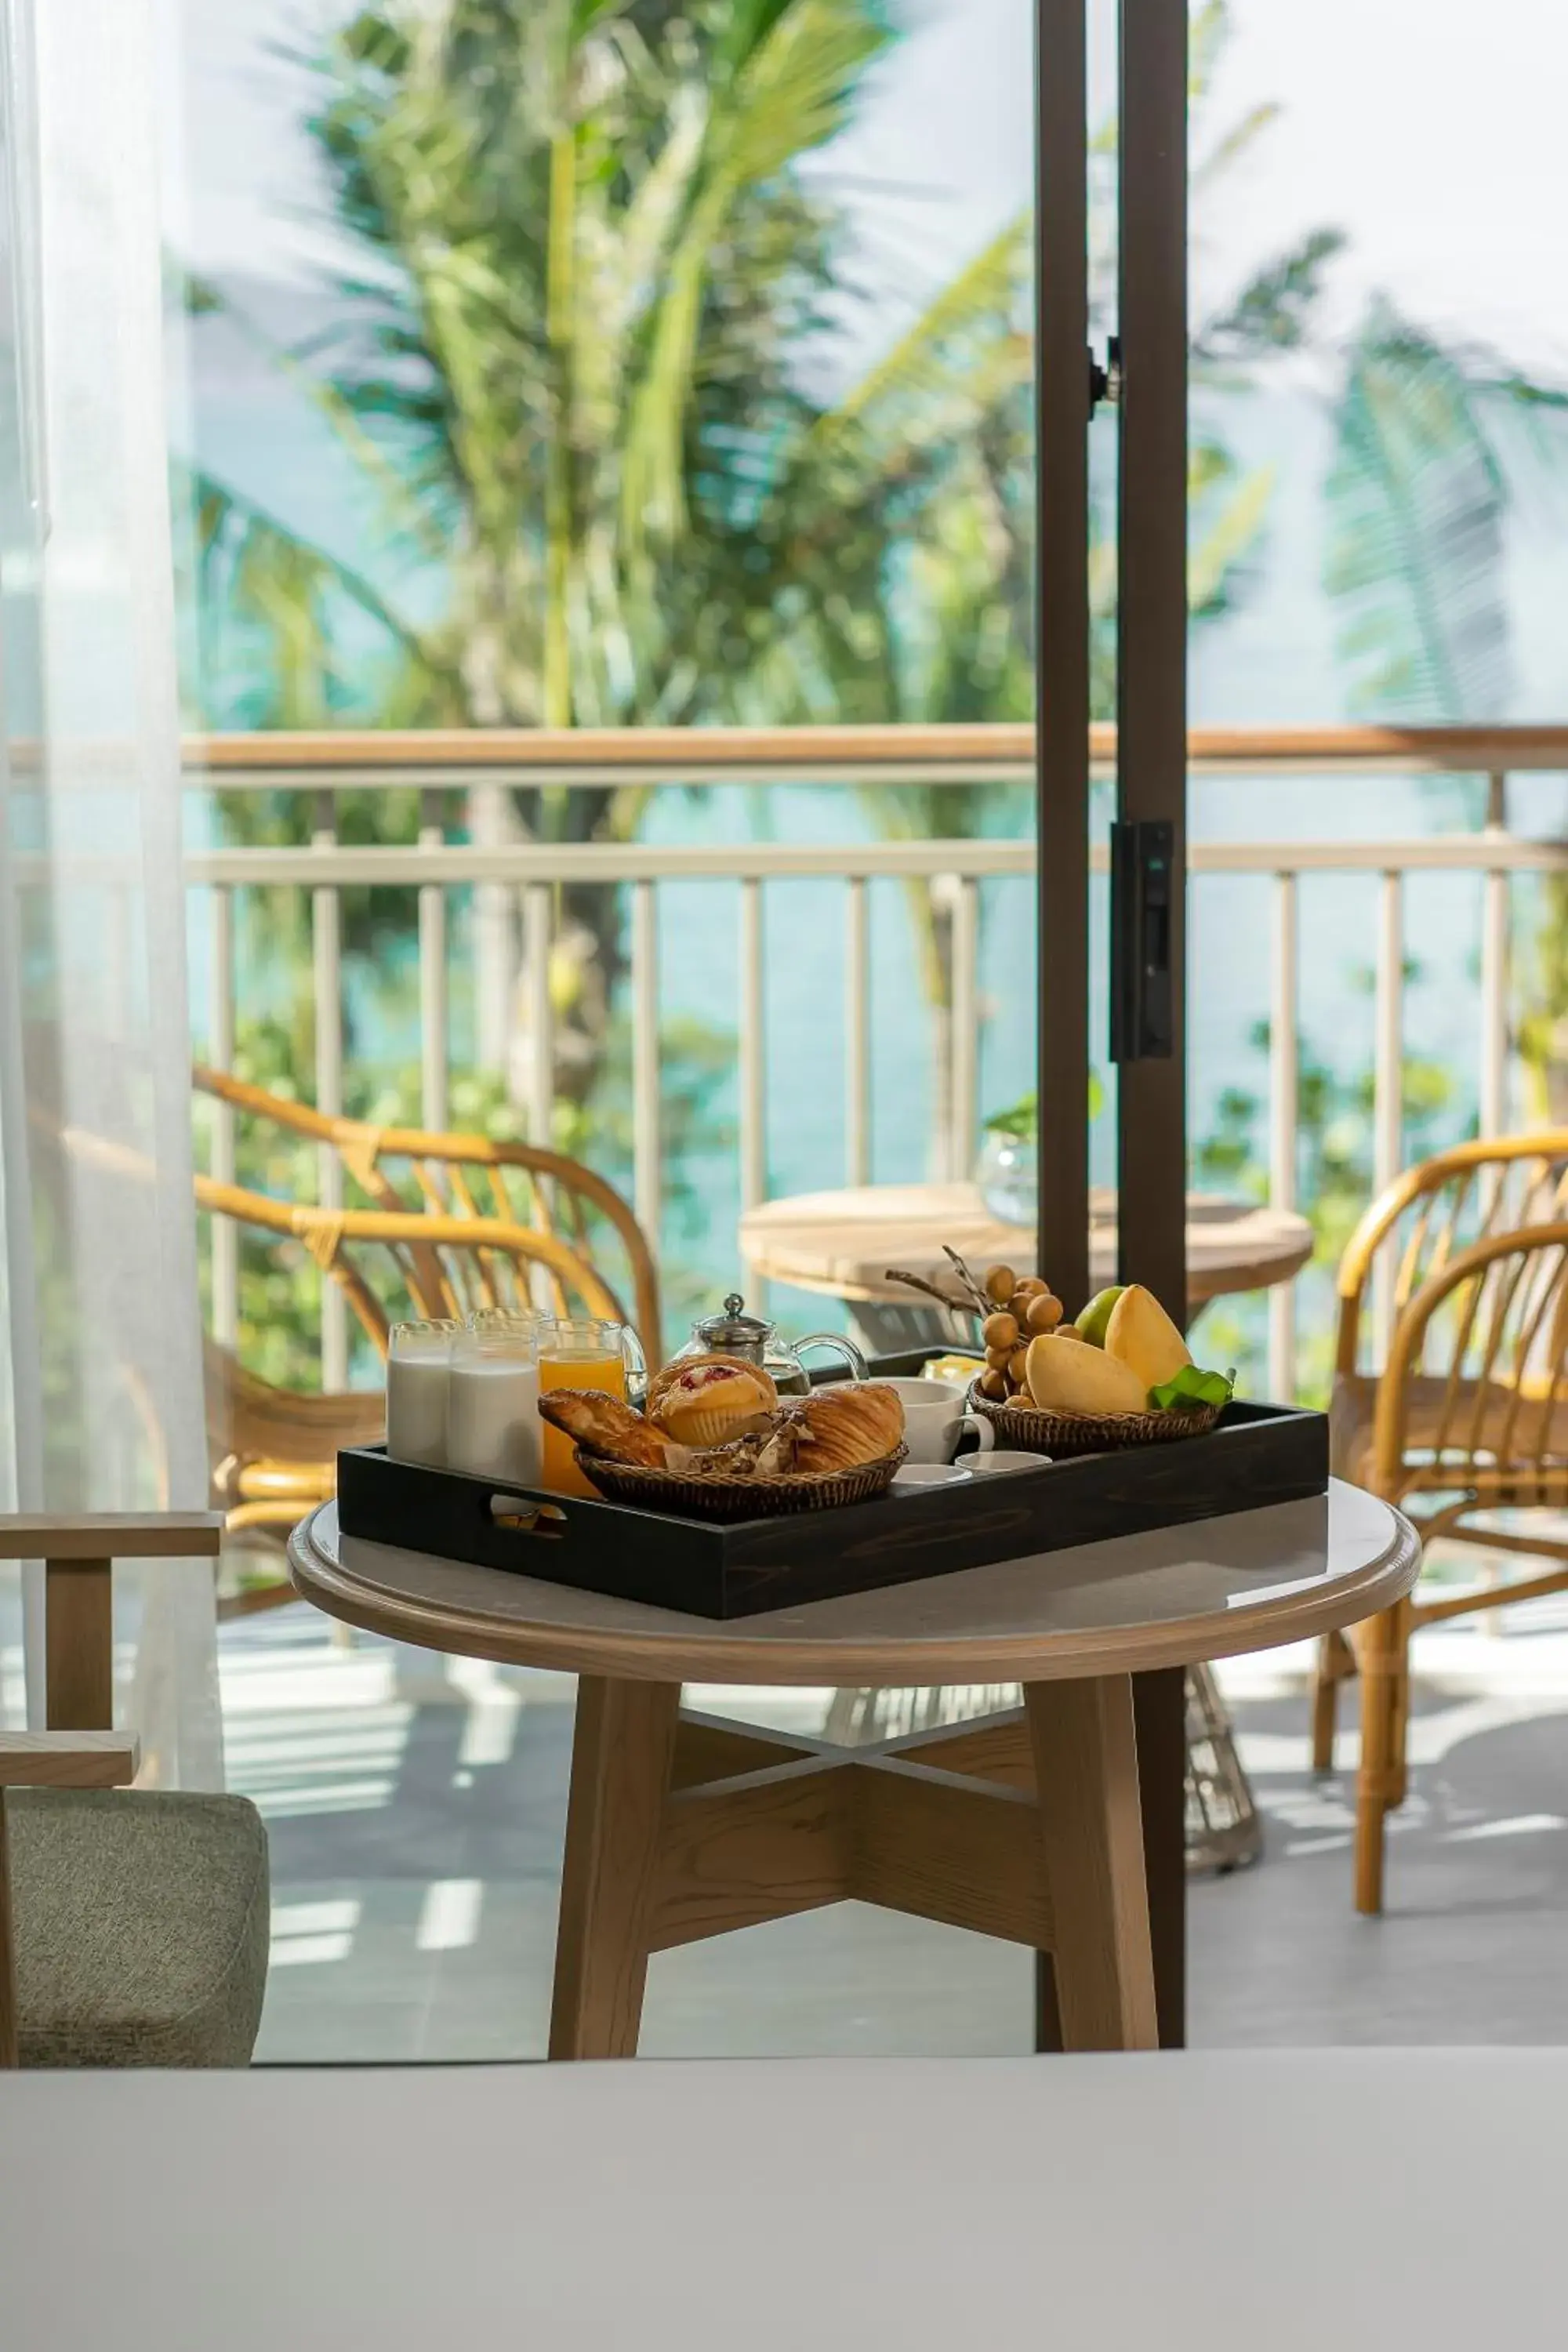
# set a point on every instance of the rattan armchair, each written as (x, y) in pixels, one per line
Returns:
(1466, 1416)
(456, 1175)
(274, 1451)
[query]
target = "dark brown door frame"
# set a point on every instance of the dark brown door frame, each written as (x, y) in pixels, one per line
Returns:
(1061, 692)
(1152, 542)
(1152, 791)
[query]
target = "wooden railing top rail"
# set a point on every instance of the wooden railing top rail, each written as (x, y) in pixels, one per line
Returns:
(612, 753)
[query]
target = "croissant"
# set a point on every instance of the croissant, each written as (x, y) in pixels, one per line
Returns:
(847, 1423)
(603, 1424)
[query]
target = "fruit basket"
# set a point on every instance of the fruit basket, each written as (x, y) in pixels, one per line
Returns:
(1064, 1434)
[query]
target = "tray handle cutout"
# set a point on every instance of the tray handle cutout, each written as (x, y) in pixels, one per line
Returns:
(522, 1518)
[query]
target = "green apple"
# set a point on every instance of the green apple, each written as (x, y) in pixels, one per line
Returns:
(1092, 1319)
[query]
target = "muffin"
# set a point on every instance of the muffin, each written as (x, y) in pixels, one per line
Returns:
(708, 1400)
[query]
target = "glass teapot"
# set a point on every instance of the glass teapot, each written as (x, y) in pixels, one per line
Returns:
(736, 1333)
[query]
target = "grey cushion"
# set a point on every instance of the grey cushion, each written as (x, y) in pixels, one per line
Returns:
(141, 1922)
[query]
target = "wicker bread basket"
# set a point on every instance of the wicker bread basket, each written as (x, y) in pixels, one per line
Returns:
(709, 1494)
(1061, 1434)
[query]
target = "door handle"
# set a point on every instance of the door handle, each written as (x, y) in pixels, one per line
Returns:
(1142, 879)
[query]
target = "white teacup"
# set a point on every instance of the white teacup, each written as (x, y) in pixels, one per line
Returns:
(935, 1418)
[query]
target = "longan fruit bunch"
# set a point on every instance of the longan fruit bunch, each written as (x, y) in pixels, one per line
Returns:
(1023, 1308)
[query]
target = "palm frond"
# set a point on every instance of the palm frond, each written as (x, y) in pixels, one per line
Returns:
(1417, 501)
(277, 585)
(790, 93)
(983, 295)
(1273, 311)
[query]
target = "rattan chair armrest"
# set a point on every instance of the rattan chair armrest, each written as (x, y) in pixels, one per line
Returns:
(111, 1534)
(68, 1759)
(1407, 1339)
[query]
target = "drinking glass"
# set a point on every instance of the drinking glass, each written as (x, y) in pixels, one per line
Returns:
(581, 1352)
(492, 1398)
(418, 1359)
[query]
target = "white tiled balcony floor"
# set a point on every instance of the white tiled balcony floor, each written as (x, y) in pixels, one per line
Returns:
(415, 1810)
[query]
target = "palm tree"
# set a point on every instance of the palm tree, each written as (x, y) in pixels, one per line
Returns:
(569, 363)
(570, 366)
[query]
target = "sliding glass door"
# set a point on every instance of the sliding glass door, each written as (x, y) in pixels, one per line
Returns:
(1138, 373)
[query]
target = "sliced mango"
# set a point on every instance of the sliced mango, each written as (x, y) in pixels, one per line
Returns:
(1064, 1376)
(1141, 1335)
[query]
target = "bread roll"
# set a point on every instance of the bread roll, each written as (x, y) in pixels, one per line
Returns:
(603, 1424)
(704, 1400)
(847, 1423)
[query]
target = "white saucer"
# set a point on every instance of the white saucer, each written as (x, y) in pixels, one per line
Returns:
(997, 1464)
(926, 1477)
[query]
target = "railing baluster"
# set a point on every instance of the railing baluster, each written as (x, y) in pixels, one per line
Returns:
(753, 1072)
(647, 1144)
(1493, 1101)
(1388, 1079)
(857, 1033)
(432, 974)
(326, 974)
(1284, 1082)
(492, 824)
(966, 1055)
(537, 1011)
(220, 1052)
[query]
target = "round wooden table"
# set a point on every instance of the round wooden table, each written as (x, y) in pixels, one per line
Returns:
(842, 1243)
(1025, 1825)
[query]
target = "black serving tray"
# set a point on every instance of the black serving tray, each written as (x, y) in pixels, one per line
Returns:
(1256, 1455)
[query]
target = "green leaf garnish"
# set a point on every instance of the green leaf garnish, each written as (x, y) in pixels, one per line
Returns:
(1192, 1389)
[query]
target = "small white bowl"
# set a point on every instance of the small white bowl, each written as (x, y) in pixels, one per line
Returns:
(997, 1464)
(925, 1477)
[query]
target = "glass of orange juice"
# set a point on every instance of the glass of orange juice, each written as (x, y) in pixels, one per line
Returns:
(579, 1352)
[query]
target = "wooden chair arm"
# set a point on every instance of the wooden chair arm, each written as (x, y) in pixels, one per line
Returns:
(78, 1550)
(111, 1534)
(68, 1759)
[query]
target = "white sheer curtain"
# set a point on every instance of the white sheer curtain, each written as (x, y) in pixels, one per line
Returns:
(102, 1350)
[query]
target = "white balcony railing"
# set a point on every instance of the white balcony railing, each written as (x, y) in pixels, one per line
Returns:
(519, 876)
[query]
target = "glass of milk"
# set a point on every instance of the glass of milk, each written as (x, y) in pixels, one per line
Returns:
(418, 1359)
(493, 1430)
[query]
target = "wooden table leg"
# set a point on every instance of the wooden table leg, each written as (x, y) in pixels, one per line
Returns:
(1092, 1829)
(622, 1750)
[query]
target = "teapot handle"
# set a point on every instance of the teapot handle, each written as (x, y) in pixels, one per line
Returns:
(858, 1368)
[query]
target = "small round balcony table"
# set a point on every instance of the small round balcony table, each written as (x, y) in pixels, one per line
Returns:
(841, 1244)
(1025, 1825)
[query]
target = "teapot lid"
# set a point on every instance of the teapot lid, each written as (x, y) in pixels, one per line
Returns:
(733, 1328)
